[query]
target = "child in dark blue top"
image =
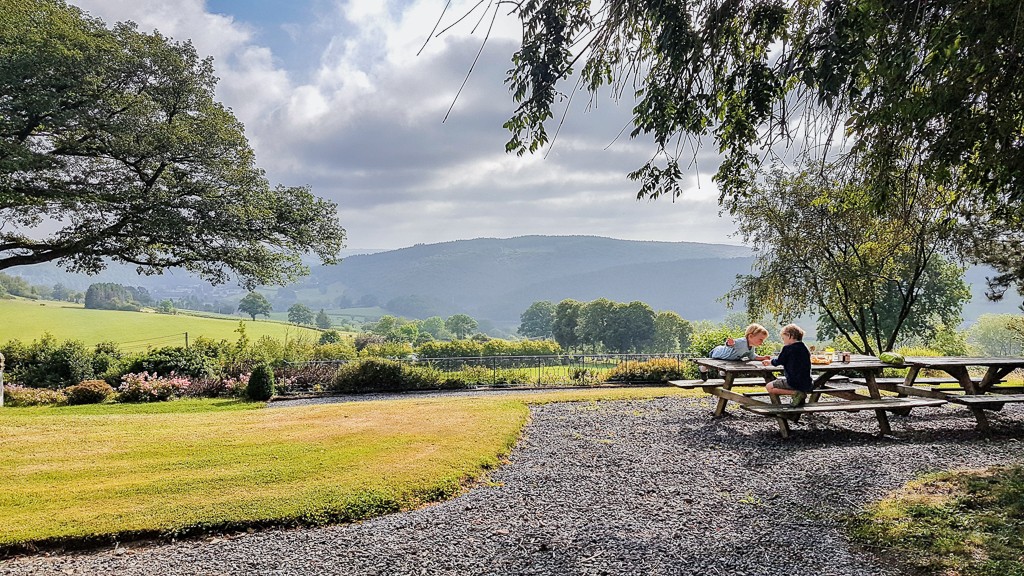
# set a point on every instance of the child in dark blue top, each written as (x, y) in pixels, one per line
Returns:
(795, 359)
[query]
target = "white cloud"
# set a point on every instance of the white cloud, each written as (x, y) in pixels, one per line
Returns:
(363, 125)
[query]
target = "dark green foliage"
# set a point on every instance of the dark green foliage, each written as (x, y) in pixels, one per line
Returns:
(300, 314)
(461, 325)
(255, 304)
(323, 321)
(564, 323)
(192, 362)
(46, 363)
(109, 296)
(536, 321)
(88, 392)
(330, 337)
(115, 136)
(261, 383)
(382, 375)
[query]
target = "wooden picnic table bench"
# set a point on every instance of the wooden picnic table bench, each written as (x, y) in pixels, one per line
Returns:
(850, 400)
(977, 394)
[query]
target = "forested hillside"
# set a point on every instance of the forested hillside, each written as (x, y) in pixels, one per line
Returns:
(498, 278)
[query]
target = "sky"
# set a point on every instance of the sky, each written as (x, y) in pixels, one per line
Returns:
(350, 97)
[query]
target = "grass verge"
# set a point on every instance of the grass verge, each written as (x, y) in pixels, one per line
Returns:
(88, 475)
(964, 523)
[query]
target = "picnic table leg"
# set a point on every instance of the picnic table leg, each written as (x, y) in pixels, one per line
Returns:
(883, 418)
(720, 409)
(908, 381)
(992, 376)
(964, 377)
(783, 424)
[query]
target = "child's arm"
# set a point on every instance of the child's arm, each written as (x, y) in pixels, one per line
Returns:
(730, 342)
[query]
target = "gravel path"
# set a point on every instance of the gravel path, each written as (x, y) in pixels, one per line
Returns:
(623, 487)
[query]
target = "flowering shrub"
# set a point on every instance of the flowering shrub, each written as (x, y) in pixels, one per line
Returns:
(653, 370)
(236, 386)
(151, 388)
(22, 396)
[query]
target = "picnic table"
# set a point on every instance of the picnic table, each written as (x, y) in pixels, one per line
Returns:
(826, 382)
(986, 393)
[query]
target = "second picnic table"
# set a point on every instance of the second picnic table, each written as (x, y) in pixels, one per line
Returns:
(850, 400)
(977, 394)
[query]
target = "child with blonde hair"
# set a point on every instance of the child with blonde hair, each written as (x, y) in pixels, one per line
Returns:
(795, 360)
(740, 348)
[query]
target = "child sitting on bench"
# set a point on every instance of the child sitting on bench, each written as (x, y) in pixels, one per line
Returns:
(795, 359)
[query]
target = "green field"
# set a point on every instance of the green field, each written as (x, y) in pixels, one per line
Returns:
(97, 473)
(27, 320)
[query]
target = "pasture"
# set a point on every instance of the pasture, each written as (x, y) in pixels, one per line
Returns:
(28, 320)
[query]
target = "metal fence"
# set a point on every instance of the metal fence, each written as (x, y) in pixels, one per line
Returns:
(496, 371)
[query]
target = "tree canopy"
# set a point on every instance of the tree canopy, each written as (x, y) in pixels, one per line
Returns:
(872, 276)
(255, 304)
(114, 137)
(536, 321)
(944, 78)
(299, 313)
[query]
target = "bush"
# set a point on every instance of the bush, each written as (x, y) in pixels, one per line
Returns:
(383, 375)
(22, 396)
(261, 383)
(654, 370)
(88, 392)
(175, 360)
(704, 341)
(330, 337)
(145, 388)
(47, 363)
(386, 350)
(335, 351)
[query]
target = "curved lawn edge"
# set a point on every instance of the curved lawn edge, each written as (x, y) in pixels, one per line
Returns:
(344, 507)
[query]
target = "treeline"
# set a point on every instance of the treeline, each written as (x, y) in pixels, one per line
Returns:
(18, 286)
(606, 326)
(110, 296)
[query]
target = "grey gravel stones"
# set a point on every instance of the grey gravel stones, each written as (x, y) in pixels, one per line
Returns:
(620, 487)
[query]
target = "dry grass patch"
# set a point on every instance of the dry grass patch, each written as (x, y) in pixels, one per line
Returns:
(97, 473)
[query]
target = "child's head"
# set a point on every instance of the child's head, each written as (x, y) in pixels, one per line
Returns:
(756, 334)
(793, 332)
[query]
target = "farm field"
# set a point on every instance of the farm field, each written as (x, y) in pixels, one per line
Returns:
(28, 320)
(186, 466)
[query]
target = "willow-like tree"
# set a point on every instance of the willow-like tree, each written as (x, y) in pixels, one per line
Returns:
(113, 148)
(751, 78)
(872, 276)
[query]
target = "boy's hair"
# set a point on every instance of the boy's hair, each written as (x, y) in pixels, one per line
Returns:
(755, 329)
(793, 331)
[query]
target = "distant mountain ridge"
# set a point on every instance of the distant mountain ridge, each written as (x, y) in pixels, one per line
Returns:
(497, 278)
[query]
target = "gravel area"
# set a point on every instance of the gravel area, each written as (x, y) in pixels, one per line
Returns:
(620, 487)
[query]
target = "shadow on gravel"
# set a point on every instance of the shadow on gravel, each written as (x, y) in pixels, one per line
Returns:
(947, 427)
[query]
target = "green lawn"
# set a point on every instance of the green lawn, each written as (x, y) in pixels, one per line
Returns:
(963, 522)
(27, 320)
(93, 473)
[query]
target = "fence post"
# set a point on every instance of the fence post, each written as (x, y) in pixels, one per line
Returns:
(1, 379)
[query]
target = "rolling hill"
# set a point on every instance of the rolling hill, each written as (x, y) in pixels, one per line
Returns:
(495, 279)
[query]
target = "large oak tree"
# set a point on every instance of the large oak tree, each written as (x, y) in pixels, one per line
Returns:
(112, 147)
